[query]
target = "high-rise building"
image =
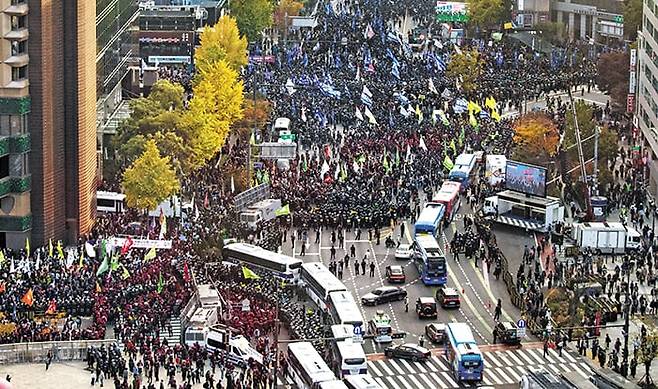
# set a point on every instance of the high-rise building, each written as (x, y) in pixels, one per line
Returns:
(645, 97)
(47, 120)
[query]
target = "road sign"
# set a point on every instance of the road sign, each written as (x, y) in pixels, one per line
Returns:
(520, 323)
(358, 334)
(520, 332)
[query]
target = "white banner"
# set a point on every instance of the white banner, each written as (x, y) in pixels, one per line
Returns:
(140, 243)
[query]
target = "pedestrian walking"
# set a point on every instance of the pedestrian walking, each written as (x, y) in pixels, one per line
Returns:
(363, 266)
(49, 359)
(406, 304)
(545, 348)
(498, 310)
(352, 251)
(302, 252)
(372, 269)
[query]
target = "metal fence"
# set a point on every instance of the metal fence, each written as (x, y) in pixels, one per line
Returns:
(37, 351)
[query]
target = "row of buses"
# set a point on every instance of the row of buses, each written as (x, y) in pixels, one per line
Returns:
(307, 368)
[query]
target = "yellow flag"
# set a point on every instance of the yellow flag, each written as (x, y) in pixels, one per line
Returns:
(150, 254)
(50, 248)
(2, 256)
(27, 246)
(60, 251)
(495, 115)
(249, 274)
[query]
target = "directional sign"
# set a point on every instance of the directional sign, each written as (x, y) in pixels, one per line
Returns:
(520, 332)
(520, 323)
(358, 334)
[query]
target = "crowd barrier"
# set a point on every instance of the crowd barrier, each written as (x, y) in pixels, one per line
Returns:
(37, 351)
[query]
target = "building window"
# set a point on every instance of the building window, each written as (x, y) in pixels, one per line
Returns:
(18, 2)
(18, 48)
(4, 166)
(18, 74)
(18, 22)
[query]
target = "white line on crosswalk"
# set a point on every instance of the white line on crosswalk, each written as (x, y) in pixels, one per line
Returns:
(380, 382)
(404, 382)
(423, 377)
(521, 369)
(415, 381)
(385, 367)
(511, 371)
(501, 356)
(375, 370)
(567, 356)
(524, 357)
(407, 366)
(486, 378)
(449, 379)
(437, 379)
(396, 366)
(585, 367)
(492, 358)
(554, 368)
(536, 355)
(392, 383)
(577, 369)
(511, 355)
(506, 376)
(491, 373)
(421, 366)
(437, 361)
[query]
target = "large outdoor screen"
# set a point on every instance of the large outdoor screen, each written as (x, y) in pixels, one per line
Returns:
(524, 178)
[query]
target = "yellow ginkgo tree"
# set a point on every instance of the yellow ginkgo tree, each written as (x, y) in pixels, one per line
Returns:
(221, 41)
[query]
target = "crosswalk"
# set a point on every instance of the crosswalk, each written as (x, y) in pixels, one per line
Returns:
(501, 368)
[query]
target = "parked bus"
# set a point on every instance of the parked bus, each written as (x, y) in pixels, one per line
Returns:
(335, 384)
(279, 265)
(112, 202)
(306, 368)
(463, 353)
(319, 282)
(344, 309)
(430, 260)
(463, 170)
(349, 358)
(448, 195)
(361, 381)
(430, 219)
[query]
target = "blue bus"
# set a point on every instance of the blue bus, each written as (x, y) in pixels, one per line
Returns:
(463, 170)
(463, 353)
(430, 260)
(430, 219)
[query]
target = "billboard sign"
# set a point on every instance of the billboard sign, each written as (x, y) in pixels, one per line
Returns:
(451, 11)
(525, 178)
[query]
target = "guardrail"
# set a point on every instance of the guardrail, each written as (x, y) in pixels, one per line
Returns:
(37, 351)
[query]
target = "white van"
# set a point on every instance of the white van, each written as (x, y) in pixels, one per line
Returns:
(240, 351)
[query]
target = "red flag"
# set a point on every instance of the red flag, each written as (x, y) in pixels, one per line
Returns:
(28, 298)
(127, 244)
(206, 202)
(52, 308)
(186, 272)
(3, 287)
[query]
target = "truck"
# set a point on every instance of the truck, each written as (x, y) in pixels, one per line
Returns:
(605, 237)
(525, 211)
(258, 212)
(223, 340)
(495, 169)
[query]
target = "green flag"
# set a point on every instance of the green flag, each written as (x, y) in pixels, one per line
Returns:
(343, 173)
(447, 163)
(160, 283)
(385, 163)
(103, 267)
(248, 274)
(114, 263)
(304, 165)
(453, 147)
(461, 137)
(283, 211)
(361, 158)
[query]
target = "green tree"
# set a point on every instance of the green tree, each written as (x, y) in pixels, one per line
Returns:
(221, 41)
(149, 180)
(608, 145)
(552, 31)
(647, 352)
(485, 13)
(465, 68)
(253, 16)
(632, 18)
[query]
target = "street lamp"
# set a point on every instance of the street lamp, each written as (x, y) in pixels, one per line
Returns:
(627, 303)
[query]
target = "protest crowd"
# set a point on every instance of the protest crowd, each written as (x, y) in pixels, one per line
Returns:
(378, 122)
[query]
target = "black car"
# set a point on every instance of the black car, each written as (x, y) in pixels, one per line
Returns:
(426, 307)
(507, 332)
(408, 351)
(448, 297)
(384, 294)
(436, 332)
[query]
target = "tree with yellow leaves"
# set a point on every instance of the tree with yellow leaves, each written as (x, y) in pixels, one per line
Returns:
(219, 93)
(465, 68)
(221, 41)
(150, 179)
(536, 137)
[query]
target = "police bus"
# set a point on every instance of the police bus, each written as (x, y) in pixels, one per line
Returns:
(430, 220)
(319, 281)
(344, 310)
(306, 368)
(448, 195)
(279, 265)
(430, 260)
(463, 353)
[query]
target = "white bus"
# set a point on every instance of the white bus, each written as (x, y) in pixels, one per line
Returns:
(349, 357)
(306, 368)
(336, 384)
(361, 381)
(110, 202)
(344, 309)
(319, 282)
(280, 265)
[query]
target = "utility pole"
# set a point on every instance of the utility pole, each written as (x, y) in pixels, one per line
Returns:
(595, 184)
(624, 365)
